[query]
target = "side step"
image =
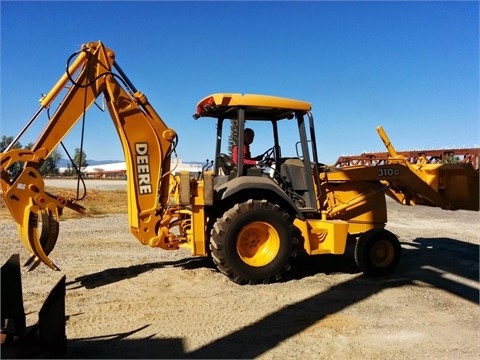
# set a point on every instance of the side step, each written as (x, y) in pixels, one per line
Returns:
(48, 335)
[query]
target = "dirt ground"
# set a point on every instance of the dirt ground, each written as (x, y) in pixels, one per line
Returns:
(127, 300)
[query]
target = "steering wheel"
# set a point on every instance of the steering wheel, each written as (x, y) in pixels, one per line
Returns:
(267, 154)
(267, 157)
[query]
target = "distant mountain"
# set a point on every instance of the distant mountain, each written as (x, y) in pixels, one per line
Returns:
(65, 162)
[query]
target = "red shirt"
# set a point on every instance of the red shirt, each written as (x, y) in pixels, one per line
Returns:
(247, 160)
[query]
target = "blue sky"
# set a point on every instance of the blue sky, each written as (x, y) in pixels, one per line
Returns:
(412, 67)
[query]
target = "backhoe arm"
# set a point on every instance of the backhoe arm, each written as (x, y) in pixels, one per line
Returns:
(146, 141)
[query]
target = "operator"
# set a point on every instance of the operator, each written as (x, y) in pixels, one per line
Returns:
(248, 135)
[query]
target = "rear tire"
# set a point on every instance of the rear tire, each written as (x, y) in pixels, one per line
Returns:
(377, 252)
(252, 242)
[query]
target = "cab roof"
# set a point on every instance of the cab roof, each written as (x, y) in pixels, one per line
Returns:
(257, 107)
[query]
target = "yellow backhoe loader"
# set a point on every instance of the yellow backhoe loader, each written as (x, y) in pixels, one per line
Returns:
(250, 220)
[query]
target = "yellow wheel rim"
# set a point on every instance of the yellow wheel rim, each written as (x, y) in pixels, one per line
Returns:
(382, 254)
(258, 244)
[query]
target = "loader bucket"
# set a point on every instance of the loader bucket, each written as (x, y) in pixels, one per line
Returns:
(47, 336)
(449, 186)
(454, 185)
(460, 185)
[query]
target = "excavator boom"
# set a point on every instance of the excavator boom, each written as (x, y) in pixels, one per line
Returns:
(146, 141)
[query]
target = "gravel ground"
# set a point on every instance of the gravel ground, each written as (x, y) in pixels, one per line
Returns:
(127, 300)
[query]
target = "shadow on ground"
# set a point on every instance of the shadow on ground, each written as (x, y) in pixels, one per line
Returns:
(424, 260)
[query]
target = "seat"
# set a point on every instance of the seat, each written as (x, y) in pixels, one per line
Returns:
(226, 163)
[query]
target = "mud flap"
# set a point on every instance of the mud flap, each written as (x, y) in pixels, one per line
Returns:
(48, 335)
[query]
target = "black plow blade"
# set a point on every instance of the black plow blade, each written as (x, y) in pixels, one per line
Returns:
(45, 338)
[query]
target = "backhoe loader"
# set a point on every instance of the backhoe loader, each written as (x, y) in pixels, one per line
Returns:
(250, 220)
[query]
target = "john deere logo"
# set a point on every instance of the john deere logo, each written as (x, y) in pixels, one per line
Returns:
(143, 168)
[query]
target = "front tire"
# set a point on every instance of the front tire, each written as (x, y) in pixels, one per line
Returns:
(377, 252)
(252, 242)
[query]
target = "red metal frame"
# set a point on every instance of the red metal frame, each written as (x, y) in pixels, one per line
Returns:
(467, 155)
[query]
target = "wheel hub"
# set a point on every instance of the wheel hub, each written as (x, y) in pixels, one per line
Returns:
(382, 253)
(258, 243)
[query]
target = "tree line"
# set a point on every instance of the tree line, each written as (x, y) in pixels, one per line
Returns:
(50, 165)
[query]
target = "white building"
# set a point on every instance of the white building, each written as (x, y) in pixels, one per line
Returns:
(119, 169)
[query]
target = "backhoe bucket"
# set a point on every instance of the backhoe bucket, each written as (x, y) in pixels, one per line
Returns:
(48, 335)
(48, 238)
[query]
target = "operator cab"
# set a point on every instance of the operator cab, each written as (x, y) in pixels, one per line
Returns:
(233, 111)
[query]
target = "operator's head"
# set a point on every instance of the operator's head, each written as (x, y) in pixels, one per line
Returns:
(248, 135)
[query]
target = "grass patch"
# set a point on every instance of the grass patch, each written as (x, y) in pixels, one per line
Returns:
(96, 202)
